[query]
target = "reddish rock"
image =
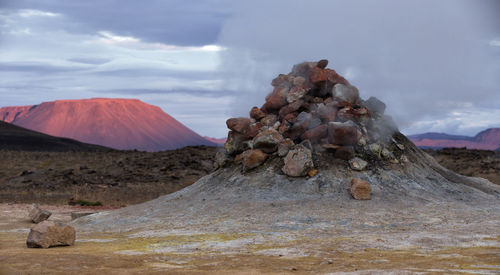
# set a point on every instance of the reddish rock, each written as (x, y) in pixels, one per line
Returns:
(267, 140)
(344, 152)
(318, 75)
(350, 113)
(275, 100)
(235, 143)
(360, 189)
(291, 117)
(239, 124)
(257, 113)
(298, 162)
(253, 129)
(284, 127)
(345, 133)
(316, 134)
(253, 158)
(322, 63)
(269, 120)
(48, 233)
(335, 78)
(290, 108)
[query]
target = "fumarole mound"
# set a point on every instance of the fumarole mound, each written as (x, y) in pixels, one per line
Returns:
(314, 156)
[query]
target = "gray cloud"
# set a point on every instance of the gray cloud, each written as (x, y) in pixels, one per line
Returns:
(425, 59)
(178, 22)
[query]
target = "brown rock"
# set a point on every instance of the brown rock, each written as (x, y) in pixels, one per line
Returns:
(253, 129)
(37, 215)
(318, 75)
(345, 152)
(281, 80)
(322, 63)
(360, 189)
(291, 117)
(298, 162)
(48, 233)
(275, 100)
(342, 133)
(284, 147)
(290, 108)
(239, 124)
(257, 113)
(269, 120)
(299, 81)
(313, 172)
(235, 143)
(253, 158)
(267, 140)
(335, 78)
(315, 134)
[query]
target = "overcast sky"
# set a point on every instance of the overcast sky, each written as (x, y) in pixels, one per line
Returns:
(435, 63)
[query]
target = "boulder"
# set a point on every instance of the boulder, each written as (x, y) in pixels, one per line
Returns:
(298, 162)
(357, 164)
(38, 215)
(317, 75)
(346, 93)
(235, 143)
(257, 113)
(253, 129)
(360, 189)
(275, 100)
(290, 108)
(374, 105)
(315, 134)
(269, 120)
(267, 140)
(343, 133)
(48, 233)
(303, 69)
(295, 93)
(252, 158)
(239, 124)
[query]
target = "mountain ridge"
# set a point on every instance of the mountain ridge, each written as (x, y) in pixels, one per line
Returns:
(488, 139)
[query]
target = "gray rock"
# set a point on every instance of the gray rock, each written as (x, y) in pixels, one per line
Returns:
(267, 140)
(347, 93)
(48, 233)
(374, 105)
(38, 215)
(298, 162)
(357, 164)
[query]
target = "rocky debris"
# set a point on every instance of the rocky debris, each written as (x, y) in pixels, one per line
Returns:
(38, 215)
(49, 233)
(360, 189)
(298, 161)
(315, 104)
(357, 164)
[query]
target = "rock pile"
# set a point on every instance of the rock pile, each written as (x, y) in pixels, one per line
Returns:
(311, 109)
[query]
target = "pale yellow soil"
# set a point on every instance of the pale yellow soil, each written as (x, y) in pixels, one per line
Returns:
(194, 252)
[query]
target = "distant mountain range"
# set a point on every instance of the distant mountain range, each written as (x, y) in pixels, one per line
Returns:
(488, 139)
(218, 141)
(16, 138)
(124, 124)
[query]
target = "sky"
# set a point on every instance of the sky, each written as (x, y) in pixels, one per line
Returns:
(436, 64)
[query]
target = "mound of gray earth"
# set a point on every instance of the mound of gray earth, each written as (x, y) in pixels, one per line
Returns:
(266, 200)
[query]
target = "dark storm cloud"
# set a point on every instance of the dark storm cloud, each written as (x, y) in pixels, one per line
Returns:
(178, 22)
(428, 60)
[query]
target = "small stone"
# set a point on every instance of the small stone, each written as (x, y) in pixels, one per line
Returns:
(267, 140)
(322, 63)
(386, 154)
(253, 129)
(38, 215)
(313, 172)
(360, 189)
(257, 113)
(48, 233)
(357, 164)
(400, 146)
(253, 158)
(239, 124)
(331, 146)
(404, 159)
(298, 162)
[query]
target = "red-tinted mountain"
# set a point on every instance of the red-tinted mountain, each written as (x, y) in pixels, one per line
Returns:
(218, 141)
(117, 123)
(15, 138)
(488, 139)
